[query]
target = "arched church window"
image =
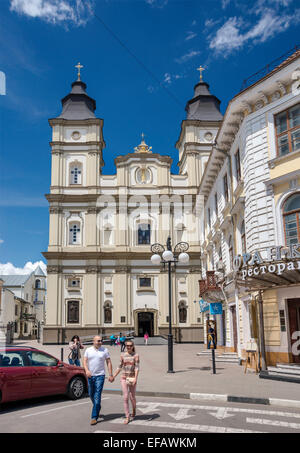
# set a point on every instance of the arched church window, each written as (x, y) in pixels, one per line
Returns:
(144, 233)
(291, 217)
(74, 233)
(75, 173)
(182, 312)
(107, 313)
(37, 284)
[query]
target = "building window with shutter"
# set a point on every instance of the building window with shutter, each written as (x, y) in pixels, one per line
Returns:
(291, 218)
(288, 130)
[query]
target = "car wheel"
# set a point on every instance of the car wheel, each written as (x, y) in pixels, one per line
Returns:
(76, 388)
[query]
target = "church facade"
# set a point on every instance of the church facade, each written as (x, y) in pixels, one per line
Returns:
(100, 275)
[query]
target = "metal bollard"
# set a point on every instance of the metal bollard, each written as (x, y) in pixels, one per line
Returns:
(62, 354)
(213, 361)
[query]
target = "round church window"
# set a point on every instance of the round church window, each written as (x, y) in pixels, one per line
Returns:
(76, 135)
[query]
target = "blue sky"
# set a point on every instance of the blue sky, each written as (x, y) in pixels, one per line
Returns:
(140, 59)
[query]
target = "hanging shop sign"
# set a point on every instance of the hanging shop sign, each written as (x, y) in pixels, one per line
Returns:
(204, 306)
(215, 308)
(278, 259)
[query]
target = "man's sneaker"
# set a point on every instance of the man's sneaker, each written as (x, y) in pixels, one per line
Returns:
(93, 421)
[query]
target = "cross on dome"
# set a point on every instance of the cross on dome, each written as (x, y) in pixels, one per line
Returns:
(201, 69)
(78, 66)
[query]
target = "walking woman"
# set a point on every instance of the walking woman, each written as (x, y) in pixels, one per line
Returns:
(75, 346)
(129, 366)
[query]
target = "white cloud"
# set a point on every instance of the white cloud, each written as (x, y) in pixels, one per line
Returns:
(157, 3)
(187, 56)
(190, 35)
(209, 23)
(225, 3)
(10, 269)
(1, 241)
(167, 78)
(234, 34)
(77, 12)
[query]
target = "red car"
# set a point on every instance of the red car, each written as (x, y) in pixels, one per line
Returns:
(28, 373)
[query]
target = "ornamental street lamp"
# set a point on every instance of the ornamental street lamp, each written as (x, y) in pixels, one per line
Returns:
(167, 257)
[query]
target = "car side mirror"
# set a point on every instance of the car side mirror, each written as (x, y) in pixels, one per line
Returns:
(60, 365)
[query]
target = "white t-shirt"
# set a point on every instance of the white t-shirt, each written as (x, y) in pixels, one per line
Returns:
(96, 360)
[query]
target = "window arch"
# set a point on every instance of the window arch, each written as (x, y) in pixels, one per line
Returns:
(107, 313)
(182, 312)
(76, 173)
(291, 219)
(37, 283)
(74, 233)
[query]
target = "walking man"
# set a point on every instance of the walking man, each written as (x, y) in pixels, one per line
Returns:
(94, 365)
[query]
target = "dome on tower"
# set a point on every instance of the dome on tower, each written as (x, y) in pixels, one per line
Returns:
(204, 106)
(77, 105)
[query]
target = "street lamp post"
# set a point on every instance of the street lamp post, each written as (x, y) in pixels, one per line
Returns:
(167, 256)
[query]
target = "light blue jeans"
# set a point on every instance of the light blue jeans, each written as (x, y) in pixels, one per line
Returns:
(95, 384)
(74, 362)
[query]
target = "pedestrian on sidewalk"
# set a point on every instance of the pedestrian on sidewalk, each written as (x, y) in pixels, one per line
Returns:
(112, 340)
(146, 337)
(94, 365)
(122, 342)
(75, 346)
(129, 365)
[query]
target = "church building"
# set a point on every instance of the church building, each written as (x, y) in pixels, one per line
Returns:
(100, 275)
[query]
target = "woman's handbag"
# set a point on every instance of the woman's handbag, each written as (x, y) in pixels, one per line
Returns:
(130, 380)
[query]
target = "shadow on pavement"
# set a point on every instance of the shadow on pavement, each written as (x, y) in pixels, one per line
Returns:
(13, 406)
(108, 417)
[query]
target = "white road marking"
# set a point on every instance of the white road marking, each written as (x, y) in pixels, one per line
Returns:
(150, 408)
(58, 408)
(221, 413)
(229, 409)
(181, 414)
(185, 426)
(263, 421)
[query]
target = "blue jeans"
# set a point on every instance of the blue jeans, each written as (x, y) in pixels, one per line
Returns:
(74, 362)
(95, 390)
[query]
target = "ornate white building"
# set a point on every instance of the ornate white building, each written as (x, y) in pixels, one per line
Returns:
(100, 276)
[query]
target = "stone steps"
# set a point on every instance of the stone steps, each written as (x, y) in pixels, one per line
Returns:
(291, 370)
(286, 372)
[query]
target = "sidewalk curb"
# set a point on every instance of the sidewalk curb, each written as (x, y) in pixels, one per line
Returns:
(215, 397)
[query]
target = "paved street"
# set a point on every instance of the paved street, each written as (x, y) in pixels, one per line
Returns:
(193, 374)
(154, 415)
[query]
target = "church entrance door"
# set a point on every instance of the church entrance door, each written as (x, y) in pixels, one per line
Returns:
(145, 324)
